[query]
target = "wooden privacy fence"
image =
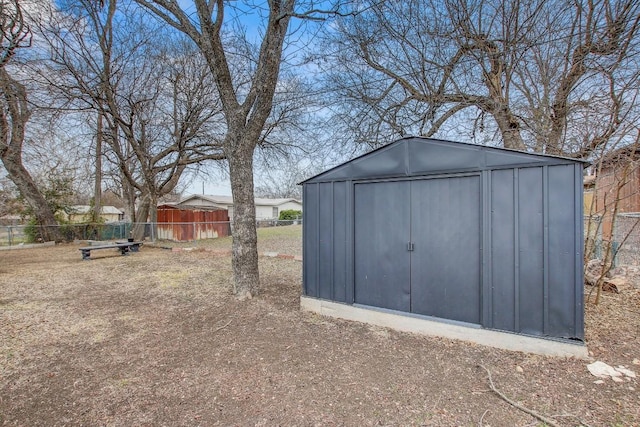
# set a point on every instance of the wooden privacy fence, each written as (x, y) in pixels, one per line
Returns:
(182, 225)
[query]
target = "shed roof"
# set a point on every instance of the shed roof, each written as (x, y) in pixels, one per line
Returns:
(415, 156)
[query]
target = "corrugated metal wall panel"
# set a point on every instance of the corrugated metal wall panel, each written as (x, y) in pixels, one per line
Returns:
(562, 269)
(311, 236)
(503, 252)
(340, 241)
(325, 250)
(531, 245)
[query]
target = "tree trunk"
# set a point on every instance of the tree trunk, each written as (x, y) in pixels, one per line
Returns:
(49, 230)
(142, 215)
(245, 241)
(152, 216)
(245, 118)
(129, 200)
(97, 189)
(509, 128)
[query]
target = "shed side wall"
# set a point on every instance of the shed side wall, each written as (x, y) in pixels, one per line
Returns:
(311, 239)
(326, 241)
(536, 253)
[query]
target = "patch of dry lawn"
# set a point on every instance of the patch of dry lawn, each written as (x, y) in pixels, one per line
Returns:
(156, 338)
(285, 239)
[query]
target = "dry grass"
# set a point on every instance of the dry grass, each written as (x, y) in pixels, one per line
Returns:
(285, 239)
(156, 338)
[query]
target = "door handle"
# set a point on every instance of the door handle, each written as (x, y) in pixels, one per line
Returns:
(410, 246)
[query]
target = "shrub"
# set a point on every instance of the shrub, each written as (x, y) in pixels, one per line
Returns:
(32, 231)
(289, 214)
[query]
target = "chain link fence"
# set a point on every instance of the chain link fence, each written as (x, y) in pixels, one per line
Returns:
(625, 237)
(13, 235)
(626, 234)
(593, 237)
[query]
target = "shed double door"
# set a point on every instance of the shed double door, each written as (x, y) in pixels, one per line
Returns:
(417, 246)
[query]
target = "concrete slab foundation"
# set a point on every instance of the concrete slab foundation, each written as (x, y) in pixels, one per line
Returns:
(491, 338)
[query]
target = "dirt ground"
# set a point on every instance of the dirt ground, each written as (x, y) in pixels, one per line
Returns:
(156, 338)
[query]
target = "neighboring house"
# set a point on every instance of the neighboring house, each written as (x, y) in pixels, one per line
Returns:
(80, 213)
(265, 208)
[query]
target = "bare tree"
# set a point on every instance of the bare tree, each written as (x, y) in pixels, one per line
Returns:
(153, 95)
(247, 98)
(534, 72)
(14, 115)
(281, 184)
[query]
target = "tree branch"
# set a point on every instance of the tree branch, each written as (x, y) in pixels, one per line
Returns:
(515, 404)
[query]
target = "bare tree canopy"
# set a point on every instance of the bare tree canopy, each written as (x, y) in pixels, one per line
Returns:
(558, 77)
(14, 30)
(15, 113)
(152, 91)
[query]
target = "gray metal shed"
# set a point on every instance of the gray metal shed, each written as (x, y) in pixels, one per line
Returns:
(477, 236)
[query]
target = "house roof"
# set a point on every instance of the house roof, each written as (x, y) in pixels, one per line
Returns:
(105, 210)
(181, 206)
(225, 201)
(274, 202)
(415, 156)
